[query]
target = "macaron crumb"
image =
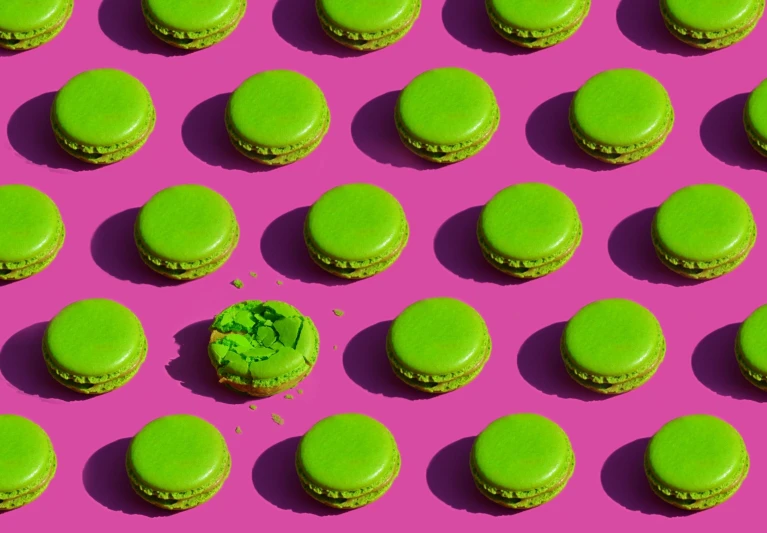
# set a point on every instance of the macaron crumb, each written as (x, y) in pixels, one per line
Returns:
(238, 430)
(335, 347)
(237, 283)
(253, 275)
(279, 282)
(253, 407)
(300, 391)
(288, 396)
(277, 419)
(338, 312)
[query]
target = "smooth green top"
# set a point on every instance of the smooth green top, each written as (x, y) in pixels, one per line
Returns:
(438, 336)
(752, 340)
(178, 453)
(522, 452)
(95, 338)
(367, 16)
(29, 223)
(704, 223)
(347, 452)
(529, 221)
(696, 453)
(537, 15)
(278, 109)
(612, 338)
(22, 16)
(711, 15)
(756, 111)
(264, 340)
(186, 223)
(193, 15)
(102, 108)
(621, 108)
(447, 106)
(356, 222)
(25, 453)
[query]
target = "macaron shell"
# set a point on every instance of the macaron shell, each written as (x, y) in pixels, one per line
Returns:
(752, 342)
(193, 16)
(755, 116)
(30, 17)
(367, 16)
(536, 16)
(30, 225)
(26, 456)
(713, 16)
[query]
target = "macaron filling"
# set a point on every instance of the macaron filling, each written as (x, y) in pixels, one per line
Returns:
(362, 40)
(25, 40)
(711, 39)
(191, 40)
(536, 38)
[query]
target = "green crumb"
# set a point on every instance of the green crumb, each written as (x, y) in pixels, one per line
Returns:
(277, 419)
(338, 312)
(300, 391)
(288, 396)
(279, 282)
(335, 347)
(237, 283)
(238, 430)
(253, 407)
(253, 275)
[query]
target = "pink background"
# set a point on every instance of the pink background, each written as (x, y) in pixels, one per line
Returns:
(524, 373)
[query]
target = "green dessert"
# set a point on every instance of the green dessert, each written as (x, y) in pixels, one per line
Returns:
(367, 24)
(751, 348)
(711, 24)
(193, 24)
(27, 461)
(25, 25)
(755, 118)
(536, 24)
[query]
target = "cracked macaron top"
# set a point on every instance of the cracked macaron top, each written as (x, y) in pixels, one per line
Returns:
(25, 24)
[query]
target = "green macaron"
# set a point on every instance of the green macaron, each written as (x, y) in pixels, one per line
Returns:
(522, 461)
(438, 344)
(102, 116)
(711, 24)
(367, 24)
(356, 231)
(536, 24)
(612, 346)
(94, 346)
(703, 231)
(25, 25)
(696, 462)
(621, 116)
(27, 461)
(347, 460)
(751, 348)
(277, 117)
(31, 231)
(193, 24)
(755, 118)
(186, 232)
(262, 348)
(178, 462)
(446, 115)
(529, 230)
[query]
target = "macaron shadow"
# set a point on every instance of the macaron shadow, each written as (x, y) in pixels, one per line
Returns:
(375, 134)
(724, 136)
(631, 250)
(624, 481)
(106, 481)
(193, 369)
(715, 366)
(641, 22)
(124, 24)
(468, 23)
(22, 365)
(367, 365)
(113, 249)
(276, 480)
(297, 23)
(205, 136)
(31, 136)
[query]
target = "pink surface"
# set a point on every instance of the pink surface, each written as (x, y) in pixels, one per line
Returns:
(434, 490)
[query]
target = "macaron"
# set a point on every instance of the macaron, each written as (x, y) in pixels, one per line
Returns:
(355, 231)
(536, 24)
(751, 348)
(711, 24)
(262, 348)
(186, 232)
(31, 231)
(192, 25)
(522, 461)
(94, 346)
(347, 460)
(755, 118)
(178, 462)
(695, 462)
(27, 461)
(102, 116)
(367, 24)
(703, 231)
(529, 230)
(446, 115)
(612, 346)
(621, 116)
(438, 344)
(277, 117)
(25, 25)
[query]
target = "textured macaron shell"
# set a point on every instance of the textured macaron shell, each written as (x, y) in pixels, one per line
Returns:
(30, 226)
(536, 16)
(193, 16)
(711, 16)
(367, 16)
(751, 346)
(27, 460)
(755, 117)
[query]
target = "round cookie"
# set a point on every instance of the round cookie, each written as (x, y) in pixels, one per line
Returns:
(27, 461)
(438, 344)
(711, 24)
(536, 24)
(347, 460)
(751, 348)
(621, 116)
(522, 461)
(25, 25)
(367, 24)
(193, 24)
(703, 231)
(262, 348)
(755, 118)
(178, 462)
(31, 231)
(186, 232)
(696, 462)
(446, 115)
(355, 231)
(94, 346)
